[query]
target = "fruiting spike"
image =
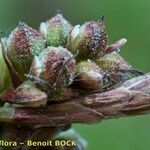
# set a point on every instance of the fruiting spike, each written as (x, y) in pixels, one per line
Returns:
(23, 43)
(56, 30)
(90, 40)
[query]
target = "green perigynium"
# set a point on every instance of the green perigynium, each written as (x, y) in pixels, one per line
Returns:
(56, 30)
(89, 76)
(56, 67)
(114, 65)
(22, 45)
(89, 40)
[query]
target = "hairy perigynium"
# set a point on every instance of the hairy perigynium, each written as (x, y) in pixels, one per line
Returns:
(56, 30)
(22, 45)
(89, 76)
(90, 40)
(55, 66)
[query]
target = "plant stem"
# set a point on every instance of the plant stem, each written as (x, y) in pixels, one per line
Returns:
(131, 99)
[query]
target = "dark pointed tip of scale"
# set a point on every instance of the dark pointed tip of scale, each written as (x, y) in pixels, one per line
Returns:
(21, 23)
(59, 12)
(102, 17)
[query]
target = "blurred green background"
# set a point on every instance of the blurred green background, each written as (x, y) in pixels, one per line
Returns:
(130, 19)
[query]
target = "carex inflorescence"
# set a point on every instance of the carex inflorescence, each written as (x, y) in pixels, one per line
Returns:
(60, 57)
(58, 62)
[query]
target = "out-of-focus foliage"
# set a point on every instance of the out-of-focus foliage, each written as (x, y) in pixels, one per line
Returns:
(129, 19)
